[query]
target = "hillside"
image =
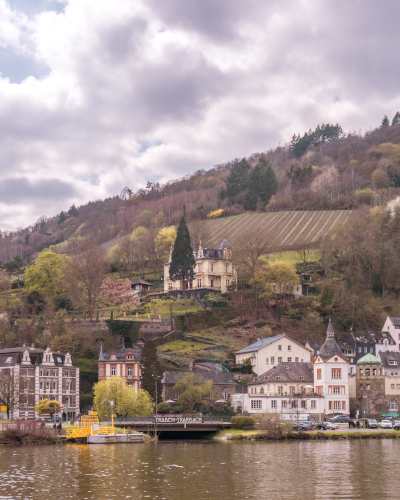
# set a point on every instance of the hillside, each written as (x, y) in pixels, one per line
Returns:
(285, 228)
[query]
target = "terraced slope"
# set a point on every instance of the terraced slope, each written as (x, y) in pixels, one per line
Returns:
(286, 228)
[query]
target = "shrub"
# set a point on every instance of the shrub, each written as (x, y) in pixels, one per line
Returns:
(240, 422)
(163, 408)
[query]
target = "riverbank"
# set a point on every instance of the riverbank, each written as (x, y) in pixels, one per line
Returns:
(239, 435)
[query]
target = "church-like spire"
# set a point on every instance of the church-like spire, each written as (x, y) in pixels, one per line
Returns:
(330, 332)
(330, 347)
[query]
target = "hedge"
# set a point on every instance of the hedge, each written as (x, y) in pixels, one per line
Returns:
(240, 422)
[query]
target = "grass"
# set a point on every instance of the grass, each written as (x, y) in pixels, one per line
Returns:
(291, 256)
(179, 306)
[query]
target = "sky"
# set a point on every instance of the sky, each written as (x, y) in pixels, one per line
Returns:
(99, 95)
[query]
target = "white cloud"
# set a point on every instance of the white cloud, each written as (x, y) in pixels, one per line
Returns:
(154, 90)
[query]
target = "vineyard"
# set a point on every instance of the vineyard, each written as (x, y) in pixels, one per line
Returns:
(287, 229)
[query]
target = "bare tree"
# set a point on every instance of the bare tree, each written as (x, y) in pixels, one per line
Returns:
(9, 390)
(304, 251)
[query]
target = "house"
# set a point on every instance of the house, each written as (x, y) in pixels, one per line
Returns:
(297, 290)
(390, 363)
(223, 386)
(41, 374)
(331, 377)
(269, 352)
(214, 270)
(286, 389)
(370, 342)
(372, 393)
(139, 284)
(124, 363)
(392, 325)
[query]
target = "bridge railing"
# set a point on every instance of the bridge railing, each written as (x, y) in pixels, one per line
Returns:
(207, 419)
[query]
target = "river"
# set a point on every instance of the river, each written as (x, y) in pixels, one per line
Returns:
(197, 470)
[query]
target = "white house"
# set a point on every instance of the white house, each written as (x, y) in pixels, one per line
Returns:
(331, 376)
(392, 325)
(269, 352)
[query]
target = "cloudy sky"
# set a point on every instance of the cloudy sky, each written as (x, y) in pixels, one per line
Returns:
(99, 94)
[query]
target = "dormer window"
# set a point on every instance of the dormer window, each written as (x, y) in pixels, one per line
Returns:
(278, 378)
(129, 356)
(113, 356)
(287, 368)
(9, 359)
(393, 363)
(59, 360)
(301, 378)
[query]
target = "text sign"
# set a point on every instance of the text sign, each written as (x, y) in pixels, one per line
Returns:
(177, 420)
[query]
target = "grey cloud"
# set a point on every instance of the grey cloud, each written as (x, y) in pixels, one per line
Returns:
(15, 190)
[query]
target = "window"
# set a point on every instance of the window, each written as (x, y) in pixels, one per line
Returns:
(336, 405)
(224, 395)
(279, 348)
(392, 386)
(336, 390)
(368, 387)
(330, 405)
(361, 387)
(266, 361)
(278, 378)
(41, 385)
(396, 327)
(273, 404)
(101, 371)
(294, 404)
(198, 283)
(170, 285)
(319, 374)
(210, 396)
(359, 349)
(272, 360)
(374, 372)
(289, 360)
(226, 269)
(313, 405)
(54, 385)
(393, 363)
(113, 356)
(371, 349)
(343, 405)
(296, 360)
(304, 404)
(59, 360)
(176, 397)
(291, 390)
(361, 372)
(262, 390)
(279, 391)
(289, 347)
(256, 405)
(129, 371)
(283, 404)
(113, 371)
(365, 350)
(367, 372)
(399, 336)
(212, 268)
(47, 385)
(9, 359)
(67, 386)
(279, 360)
(392, 405)
(336, 373)
(200, 268)
(397, 386)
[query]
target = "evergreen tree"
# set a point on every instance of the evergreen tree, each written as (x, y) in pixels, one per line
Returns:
(385, 122)
(73, 212)
(62, 217)
(262, 185)
(151, 371)
(182, 261)
(396, 119)
(237, 181)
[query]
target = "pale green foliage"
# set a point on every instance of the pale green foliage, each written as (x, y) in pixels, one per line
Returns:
(44, 275)
(47, 406)
(164, 239)
(192, 389)
(282, 276)
(127, 401)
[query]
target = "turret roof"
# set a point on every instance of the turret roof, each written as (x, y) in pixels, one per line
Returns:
(369, 359)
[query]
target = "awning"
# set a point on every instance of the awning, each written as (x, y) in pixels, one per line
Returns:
(390, 415)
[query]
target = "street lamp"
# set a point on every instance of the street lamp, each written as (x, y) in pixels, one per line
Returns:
(112, 415)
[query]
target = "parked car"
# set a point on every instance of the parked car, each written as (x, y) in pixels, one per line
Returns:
(303, 426)
(330, 426)
(371, 423)
(385, 424)
(396, 424)
(321, 426)
(339, 419)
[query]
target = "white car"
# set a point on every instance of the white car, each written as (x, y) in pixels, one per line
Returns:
(331, 426)
(385, 424)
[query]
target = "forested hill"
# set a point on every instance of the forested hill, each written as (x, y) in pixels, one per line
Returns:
(323, 169)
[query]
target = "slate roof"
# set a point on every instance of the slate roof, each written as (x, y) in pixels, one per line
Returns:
(395, 321)
(213, 253)
(316, 345)
(373, 337)
(369, 359)
(35, 354)
(223, 378)
(389, 356)
(330, 347)
(140, 282)
(288, 372)
(121, 354)
(260, 344)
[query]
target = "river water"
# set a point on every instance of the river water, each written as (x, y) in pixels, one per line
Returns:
(196, 470)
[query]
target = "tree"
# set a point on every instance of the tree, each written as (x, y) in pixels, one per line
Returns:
(9, 391)
(237, 181)
(283, 275)
(145, 218)
(261, 186)
(304, 251)
(164, 240)
(151, 371)
(385, 122)
(127, 401)
(82, 275)
(246, 366)
(192, 390)
(396, 119)
(182, 261)
(48, 406)
(44, 275)
(62, 217)
(73, 211)
(27, 238)
(119, 292)
(380, 179)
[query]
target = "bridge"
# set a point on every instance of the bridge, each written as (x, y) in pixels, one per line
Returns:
(174, 423)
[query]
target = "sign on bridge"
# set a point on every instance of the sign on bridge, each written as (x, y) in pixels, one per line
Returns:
(176, 419)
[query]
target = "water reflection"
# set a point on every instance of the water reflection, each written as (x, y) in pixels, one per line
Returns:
(202, 470)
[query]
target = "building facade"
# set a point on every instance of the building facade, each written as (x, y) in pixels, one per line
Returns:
(41, 374)
(214, 270)
(271, 351)
(392, 325)
(124, 363)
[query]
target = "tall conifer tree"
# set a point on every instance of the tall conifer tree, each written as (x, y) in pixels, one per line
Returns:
(237, 180)
(151, 371)
(182, 261)
(262, 185)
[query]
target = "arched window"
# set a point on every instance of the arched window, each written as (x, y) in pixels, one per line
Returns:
(262, 390)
